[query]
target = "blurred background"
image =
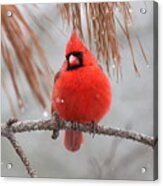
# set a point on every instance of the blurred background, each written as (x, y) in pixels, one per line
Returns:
(132, 107)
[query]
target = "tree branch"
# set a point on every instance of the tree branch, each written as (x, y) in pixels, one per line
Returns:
(51, 124)
(54, 124)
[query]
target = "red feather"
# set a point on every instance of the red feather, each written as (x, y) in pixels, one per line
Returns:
(83, 94)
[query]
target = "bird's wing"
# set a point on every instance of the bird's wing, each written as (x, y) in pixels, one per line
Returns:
(55, 79)
(56, 76)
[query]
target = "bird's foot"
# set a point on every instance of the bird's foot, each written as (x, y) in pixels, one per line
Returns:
(93, 128)
(57, 120)
(74, 125)
(55, 134)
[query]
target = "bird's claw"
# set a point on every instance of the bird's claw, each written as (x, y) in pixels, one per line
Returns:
(93, 128)
(74, 126)
(55, 133)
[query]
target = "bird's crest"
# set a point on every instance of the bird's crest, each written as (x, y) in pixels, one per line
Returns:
(75, 44)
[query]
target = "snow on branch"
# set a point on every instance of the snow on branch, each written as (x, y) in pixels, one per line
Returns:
(54, 124)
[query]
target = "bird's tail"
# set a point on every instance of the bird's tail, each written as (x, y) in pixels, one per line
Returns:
(73, 140)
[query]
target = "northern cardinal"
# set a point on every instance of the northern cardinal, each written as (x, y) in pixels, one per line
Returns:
(81, 91)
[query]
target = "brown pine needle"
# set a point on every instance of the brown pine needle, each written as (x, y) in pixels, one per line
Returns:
(17, 32)
(101, 30)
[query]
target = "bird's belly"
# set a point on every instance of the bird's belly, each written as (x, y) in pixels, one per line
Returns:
(82, 99)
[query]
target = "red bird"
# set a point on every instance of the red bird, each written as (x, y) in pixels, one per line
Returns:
(81, 91)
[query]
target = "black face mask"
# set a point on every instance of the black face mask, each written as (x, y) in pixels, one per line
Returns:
(79, 56)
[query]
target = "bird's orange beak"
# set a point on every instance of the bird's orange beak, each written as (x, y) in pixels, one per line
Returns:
(73, 60)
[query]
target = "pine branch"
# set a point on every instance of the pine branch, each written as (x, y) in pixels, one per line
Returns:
(54, 124)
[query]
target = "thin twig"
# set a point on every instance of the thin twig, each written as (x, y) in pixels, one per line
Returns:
(10, 136)
(22, 155)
